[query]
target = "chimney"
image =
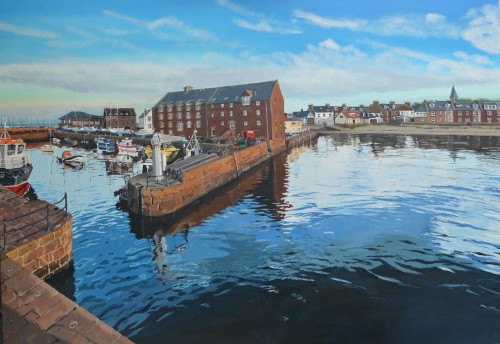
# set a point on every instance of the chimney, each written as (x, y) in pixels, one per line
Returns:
(407, 103)
(362, 105)
(310, 107)
(392, 102)
(376, 102)
(327, 105)
(188, 89)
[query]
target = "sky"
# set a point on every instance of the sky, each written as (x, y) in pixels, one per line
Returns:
(61, 56)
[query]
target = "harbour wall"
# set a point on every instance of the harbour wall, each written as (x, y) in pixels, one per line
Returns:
(35, 234)
(160, 201)
(157, 200)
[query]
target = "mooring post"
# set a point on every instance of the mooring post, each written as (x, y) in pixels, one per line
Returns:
(157, 163)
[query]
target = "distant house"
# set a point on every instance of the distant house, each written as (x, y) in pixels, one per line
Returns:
(439, 111)
(420, 114)
(124, 118)
(349, 117)
(490, 112)
(293, 125)
(79, 119)
(406, 112)
(146, 120)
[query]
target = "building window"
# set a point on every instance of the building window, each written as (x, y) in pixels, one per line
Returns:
(257, 112)
(258, 122)
(169, 108)
(179, 107)
(180, 127)
(231, 113)
(257, 102)
(179, 115)
(232, 125)
(221, 122)
(198, 107)
(198, 115)
(230, 105)
(245, 112)
(489, 113)
(433, 113)
(170, 124)
(212, 114)
(245, 100)
(188, 124)
(161, 117)
(188, 107)
(170, 132)
(188, 115)
(222, 113)
(198, 124)
(170, 116)
(245, 123)
(161, 125)
(222, 106)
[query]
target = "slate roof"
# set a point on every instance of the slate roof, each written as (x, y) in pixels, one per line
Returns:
(420, 108)
(217, 95)
(120, 111)
(439, 105)
(465, 105)
(79, 115)
(300, 114)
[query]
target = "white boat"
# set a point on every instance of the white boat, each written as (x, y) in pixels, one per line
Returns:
(48, 148)
(127, 147)
(15, 165)
(106, 145)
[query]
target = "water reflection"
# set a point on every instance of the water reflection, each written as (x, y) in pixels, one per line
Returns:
(356, 238)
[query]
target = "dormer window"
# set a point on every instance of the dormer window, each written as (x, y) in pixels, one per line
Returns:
(245, 100)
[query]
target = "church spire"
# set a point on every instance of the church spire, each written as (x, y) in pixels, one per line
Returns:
(453, 95)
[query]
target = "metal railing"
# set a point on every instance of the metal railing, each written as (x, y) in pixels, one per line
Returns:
(47, 216)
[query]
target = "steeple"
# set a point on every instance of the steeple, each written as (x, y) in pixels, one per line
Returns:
(453, 95)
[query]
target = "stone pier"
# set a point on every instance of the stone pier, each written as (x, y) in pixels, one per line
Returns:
(36, 243)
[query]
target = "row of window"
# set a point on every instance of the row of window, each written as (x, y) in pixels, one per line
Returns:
(189, 124)
(198, 106)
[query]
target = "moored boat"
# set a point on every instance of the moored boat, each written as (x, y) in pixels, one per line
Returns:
(106, 145)
(69, 159)
(15, 166)
(127, 147)
(167, 149)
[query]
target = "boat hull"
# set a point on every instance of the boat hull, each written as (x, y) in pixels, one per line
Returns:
(15, 176)
(20, 189)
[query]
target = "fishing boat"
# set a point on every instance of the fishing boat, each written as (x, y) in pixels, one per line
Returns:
(67, 158)
(167, 149)
(106, 145)
(15, 166)
(127, 147)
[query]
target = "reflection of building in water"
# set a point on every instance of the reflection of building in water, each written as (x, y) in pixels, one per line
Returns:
(377, 144)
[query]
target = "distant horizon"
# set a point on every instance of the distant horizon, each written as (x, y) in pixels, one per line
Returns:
(57, 57)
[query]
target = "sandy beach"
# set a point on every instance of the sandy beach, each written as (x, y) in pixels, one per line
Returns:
(418, 129)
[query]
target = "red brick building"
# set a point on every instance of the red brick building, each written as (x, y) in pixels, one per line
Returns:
(124, 118)
(223, 111)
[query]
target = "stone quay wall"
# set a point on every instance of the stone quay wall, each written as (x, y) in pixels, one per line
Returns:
(200, 181)
(35, 234)
(48, 254)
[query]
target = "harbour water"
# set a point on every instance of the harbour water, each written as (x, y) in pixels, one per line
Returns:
(353, 239)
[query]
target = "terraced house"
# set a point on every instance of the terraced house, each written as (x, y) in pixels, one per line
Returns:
(223, 111)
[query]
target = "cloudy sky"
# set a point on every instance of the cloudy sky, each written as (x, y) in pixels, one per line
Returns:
(57, 56)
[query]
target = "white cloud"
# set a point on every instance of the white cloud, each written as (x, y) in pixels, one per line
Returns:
(263, 26)
(329, 23)
(181, 30)
(429, 25)
(477, 59)
(26, 31)
(483, 30)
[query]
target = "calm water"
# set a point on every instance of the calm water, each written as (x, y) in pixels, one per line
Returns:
(353, 239)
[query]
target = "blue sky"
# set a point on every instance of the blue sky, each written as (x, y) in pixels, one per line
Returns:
(56, 56)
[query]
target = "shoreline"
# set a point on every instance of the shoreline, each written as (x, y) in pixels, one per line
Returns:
(415, 129)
